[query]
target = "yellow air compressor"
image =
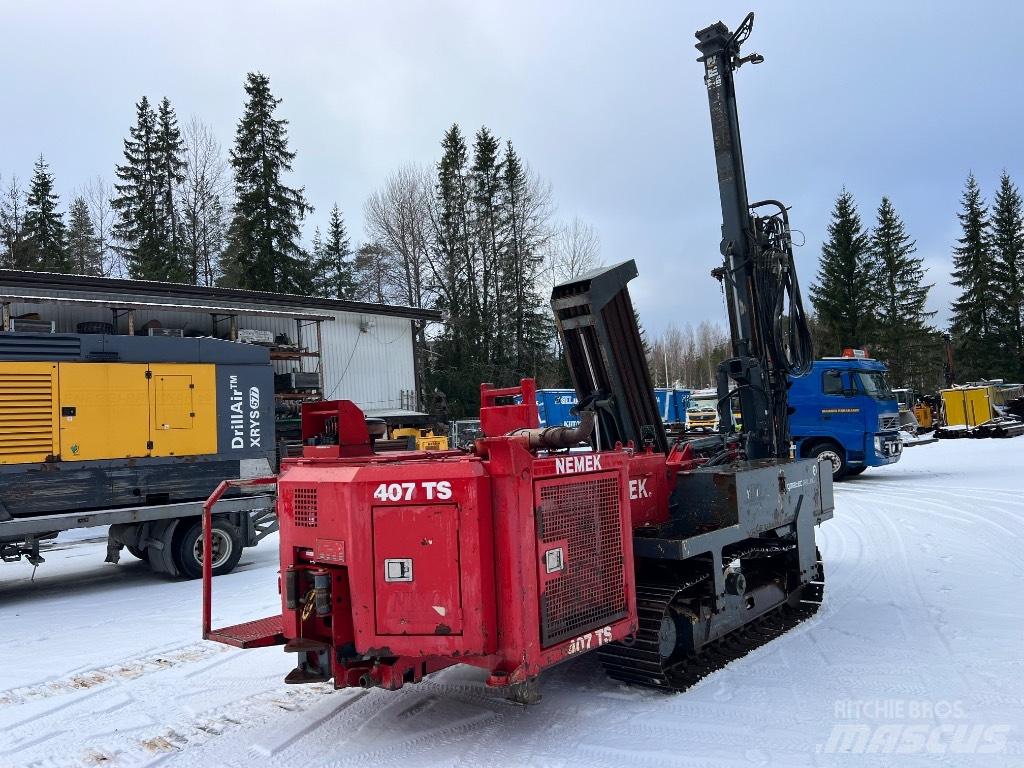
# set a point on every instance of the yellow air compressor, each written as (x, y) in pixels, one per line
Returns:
(967, 406)
(97, 421)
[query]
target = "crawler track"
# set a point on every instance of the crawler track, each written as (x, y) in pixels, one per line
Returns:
(642, 661)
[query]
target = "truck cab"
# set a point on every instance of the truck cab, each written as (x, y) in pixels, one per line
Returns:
(844, 411)
(702, 411)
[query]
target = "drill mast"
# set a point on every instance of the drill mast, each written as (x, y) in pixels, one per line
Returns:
(769, 340)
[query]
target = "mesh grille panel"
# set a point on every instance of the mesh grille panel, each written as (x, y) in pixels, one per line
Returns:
(304, 505)
(590, 592)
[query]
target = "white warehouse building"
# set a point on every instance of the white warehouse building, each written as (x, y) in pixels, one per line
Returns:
(363, 352)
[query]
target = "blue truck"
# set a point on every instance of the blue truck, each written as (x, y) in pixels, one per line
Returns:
(844, 411)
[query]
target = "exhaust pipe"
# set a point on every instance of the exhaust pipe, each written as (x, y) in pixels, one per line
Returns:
(558, 437)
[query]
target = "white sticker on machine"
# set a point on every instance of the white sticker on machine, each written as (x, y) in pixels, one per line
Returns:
(398, 569)
(554, 560)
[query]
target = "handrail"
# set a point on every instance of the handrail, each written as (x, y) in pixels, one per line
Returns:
(219, 491)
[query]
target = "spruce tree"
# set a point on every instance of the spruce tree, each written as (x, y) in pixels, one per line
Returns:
(138, 229)
(530, 318)
(332, 260)
(170, 173)
(44, 225)
(316, 256)
(902, 332)
(83, 250)
(263, 241)
(455, 270)
(974, 327)
(844, 292)
(1008, 274)
(488, 246)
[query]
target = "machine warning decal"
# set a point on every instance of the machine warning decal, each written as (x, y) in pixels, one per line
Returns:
(428, 489)
(594, 639)
(840, 410)
(330, 550)
(398, 569)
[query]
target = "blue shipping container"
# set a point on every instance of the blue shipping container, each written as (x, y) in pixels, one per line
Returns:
(554, 406)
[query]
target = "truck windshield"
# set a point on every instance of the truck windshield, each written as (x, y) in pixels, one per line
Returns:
(872, 383)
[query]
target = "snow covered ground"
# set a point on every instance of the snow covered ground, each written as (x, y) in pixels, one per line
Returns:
(916, 658)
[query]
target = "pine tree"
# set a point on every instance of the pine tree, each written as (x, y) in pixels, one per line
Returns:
(974, 326)
(263, 241)
(1008, 274)
(375, 266)
(44, 225)
(170, 173)
(332, 260)
(844, 293)
(83, 250)
(902, 322)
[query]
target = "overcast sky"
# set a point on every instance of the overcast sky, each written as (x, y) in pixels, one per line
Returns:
(604, 99)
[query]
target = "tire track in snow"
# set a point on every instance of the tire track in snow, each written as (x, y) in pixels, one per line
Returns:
(450, 725)
(145, 745)
(129, 669)
(924, 596)
(966, 517)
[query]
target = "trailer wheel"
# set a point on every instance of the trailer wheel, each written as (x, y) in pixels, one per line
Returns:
(834, 455)
(227, 549)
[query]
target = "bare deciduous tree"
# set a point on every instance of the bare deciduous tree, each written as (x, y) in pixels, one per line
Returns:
(397, 217)
(688, 357)
(12, 216)
(97, 193)
(202, 200)
(575, 248)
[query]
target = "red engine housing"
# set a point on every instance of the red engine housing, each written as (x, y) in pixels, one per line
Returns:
(416, 562)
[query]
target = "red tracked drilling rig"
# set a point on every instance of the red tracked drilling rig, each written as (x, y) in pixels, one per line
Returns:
(669, 560)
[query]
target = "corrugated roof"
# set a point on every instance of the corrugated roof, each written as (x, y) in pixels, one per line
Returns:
(41, 281)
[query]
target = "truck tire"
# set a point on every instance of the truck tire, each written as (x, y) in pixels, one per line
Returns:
(188, 549)
(835, 455)
(94, 327)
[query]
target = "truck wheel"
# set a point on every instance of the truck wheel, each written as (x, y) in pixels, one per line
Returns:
(834, 455)
(227, 549)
